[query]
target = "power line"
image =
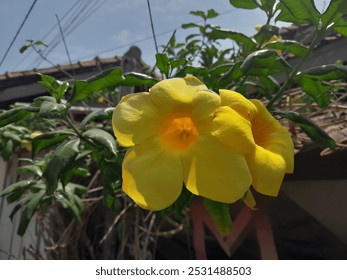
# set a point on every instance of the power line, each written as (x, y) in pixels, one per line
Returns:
(43, 39)
(17, 33)
(65, 45)
(80, 16)
(145, 39)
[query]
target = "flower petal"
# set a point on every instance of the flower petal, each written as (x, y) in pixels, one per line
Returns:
(233, 130)
(214, 171)
(237, 102)
(176, 94)
(135, 119)
(267, 169)
(272, 136)
(152, 177)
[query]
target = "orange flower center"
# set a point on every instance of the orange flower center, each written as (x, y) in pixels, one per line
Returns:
(179, 132)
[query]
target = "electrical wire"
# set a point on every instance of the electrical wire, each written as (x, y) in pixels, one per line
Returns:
(70, 26)
(18, 31)
(43, 39)
(144, 39)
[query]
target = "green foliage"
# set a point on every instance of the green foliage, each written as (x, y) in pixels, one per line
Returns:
(31, 44)
(220, 214)
(288, 46)
(108, 80)
(74, 156)
(102, 139)
(61, 159)
(298, 12)
(265, 63)
(55, 88)
(318, 135)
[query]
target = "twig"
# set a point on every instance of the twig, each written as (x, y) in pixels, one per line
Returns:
(152, 26)
(114, 223)
(145, 245)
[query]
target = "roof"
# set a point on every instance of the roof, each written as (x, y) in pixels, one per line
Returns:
(22, 86)
(331, 49)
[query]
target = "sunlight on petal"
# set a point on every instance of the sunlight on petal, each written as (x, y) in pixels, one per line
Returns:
(151, 176)
(214, 171)
(267, 169)
(233, 130)
(237, 102)
(135, 119)
(271, 135)
(177, 94)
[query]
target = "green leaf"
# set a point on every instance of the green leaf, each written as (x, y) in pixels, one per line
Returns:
(211, 13)
(15, 114)
(69, 175)
(334, 13)
(61, 158)
(247, 44)
(326, 72)
(56, 88)
(221, 69)
(340, 27)
(233, 74)
(40, 43)
(289, 46)
(29, 210)
(110, 173)
(33, 169)
(268, 6)
(182, 202)
(176, 63)
(270, 86)
(17, 187)
(194, 70)
(12, 136)
(163, 64)
(317, 134)
(7, 151)
(109, 79)
(69, 199)
(298, 12)
(103, 114)
(14, 211)
(49, 139)
(264, 63)
(220, 214)
(24, 48)
(312, 81)
(316, 89)
(244, 4)
(102, 139)
(198, 13)
(52, 109)
(190, 25)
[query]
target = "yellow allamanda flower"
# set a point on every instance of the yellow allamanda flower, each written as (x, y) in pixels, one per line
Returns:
(273, 155)
(169, 132)
(27, 143)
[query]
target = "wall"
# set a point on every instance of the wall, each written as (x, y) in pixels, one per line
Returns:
(12, 246)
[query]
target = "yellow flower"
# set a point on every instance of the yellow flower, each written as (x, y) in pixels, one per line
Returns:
(27, 143)
(273, 155)
(169, 132)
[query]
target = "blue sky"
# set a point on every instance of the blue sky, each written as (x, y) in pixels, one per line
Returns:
(106, 27)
